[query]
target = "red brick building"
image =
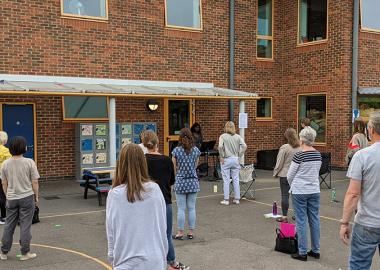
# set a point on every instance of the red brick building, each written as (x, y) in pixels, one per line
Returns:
(296, 55)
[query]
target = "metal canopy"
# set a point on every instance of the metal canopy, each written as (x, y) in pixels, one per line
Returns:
(370, 91)
(66, 86)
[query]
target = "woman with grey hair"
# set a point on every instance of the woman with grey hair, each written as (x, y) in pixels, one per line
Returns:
(303, 178)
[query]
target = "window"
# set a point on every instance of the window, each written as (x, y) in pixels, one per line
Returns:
(265, 29)
(184, 14)
(264, 109)
(370, 10)
(368, 105)
(312, 20)
(314, 108)
(85, 108)
(85, 9)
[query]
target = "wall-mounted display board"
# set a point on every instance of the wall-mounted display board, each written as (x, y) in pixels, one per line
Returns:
(92, 142)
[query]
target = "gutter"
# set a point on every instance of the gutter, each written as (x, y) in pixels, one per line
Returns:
(355, 56)
(232, 57)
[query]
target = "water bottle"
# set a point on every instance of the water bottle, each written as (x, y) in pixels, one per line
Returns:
(274, 208)
(333, 195)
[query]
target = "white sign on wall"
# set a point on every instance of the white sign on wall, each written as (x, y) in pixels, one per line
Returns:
(243, 120)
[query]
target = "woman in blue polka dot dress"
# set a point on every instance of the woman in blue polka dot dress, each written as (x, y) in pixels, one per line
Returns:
(185, 158)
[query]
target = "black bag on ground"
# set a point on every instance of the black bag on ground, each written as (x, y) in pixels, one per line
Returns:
(288, 245)
(202, 170)
(36, 215)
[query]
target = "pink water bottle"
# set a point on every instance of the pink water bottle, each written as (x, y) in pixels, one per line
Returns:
(274, 208)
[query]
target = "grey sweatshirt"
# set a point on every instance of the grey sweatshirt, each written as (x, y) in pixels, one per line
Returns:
(136, 232)
(231, 145)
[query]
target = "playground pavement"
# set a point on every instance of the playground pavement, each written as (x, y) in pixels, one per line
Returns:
(71, 234)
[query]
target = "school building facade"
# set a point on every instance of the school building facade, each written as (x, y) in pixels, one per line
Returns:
(62, 62)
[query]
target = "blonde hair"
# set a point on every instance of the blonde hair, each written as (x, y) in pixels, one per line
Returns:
(150, 139)
(229, 128)
(132, 171)
(307, 135)
(3, 137)
(291, 137)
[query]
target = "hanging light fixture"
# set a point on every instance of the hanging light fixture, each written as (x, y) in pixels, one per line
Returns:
(152, 105)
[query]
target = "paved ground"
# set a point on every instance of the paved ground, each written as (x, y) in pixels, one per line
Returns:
(71, 234)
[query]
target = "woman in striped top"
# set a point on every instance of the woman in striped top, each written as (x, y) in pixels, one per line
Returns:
(303, 178)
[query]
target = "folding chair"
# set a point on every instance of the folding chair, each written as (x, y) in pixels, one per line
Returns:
(325, 171)
(247, 177)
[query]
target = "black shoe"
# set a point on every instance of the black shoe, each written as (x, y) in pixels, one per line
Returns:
(314, 254)
(299, 257)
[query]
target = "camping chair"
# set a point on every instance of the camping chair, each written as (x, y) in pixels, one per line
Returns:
(325, 170)
(247, 177)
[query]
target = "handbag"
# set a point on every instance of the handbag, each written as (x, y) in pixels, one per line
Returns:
(288, 245)
(36, 215)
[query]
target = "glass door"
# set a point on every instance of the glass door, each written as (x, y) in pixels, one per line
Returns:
(178, 115)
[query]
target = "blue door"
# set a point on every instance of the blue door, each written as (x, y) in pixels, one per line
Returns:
(18, 120)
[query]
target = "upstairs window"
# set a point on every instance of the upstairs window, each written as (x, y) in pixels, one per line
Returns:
(89, 9)
(370, 15)
(185, 14)
(312, 26)
(265, 29)
(264, 109)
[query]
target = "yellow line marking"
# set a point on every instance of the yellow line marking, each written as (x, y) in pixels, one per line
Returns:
(74, 214)
(106, 266)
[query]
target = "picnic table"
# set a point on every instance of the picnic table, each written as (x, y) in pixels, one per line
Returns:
(93, 178)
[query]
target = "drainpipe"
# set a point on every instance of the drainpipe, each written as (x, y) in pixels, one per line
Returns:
(232, 57)
(355, 49)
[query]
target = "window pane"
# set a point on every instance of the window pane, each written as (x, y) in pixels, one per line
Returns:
(86, 107)
(265, 18)
(371, 14)
(264, 48)
(183, 13)
(312, 20)
(93, 8)
(368, 105)
(264, 107)
(314, 108)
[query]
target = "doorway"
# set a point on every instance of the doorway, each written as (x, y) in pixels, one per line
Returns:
(178, 115)
(20, 120)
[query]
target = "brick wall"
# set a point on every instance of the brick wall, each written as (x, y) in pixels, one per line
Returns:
(369, 55)
(134, 44)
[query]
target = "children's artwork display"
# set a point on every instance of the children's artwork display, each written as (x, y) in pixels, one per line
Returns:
(92, 141)
(86, 130)
(101, 130)
(101, 144)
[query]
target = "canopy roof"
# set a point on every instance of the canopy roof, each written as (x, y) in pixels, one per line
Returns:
(72, 86)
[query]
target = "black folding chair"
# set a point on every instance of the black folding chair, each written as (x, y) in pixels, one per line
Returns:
(325, 171)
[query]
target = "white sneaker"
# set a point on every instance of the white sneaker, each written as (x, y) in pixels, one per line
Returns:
(224, 202)
(236, 201)
(3, 257)
(28, 256)
(2, 221)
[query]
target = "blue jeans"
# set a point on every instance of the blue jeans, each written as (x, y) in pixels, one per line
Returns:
(363, 246)
(186, 200)
(306, 208)
(169, 221)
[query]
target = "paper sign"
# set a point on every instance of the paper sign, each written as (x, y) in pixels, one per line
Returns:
(243, 120)
(355, 114)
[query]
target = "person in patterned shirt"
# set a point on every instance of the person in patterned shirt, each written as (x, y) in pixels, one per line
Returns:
(185, 159)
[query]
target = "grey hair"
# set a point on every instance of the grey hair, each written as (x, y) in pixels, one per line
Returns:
(374, 122)
(307, 135)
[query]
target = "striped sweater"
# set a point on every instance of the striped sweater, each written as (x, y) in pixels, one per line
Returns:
(303, 174)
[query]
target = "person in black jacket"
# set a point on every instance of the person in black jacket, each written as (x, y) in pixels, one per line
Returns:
(161, 170)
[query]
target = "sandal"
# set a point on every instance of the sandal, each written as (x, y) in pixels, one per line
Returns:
(178, 237)
(190, 236)
(178, 265)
